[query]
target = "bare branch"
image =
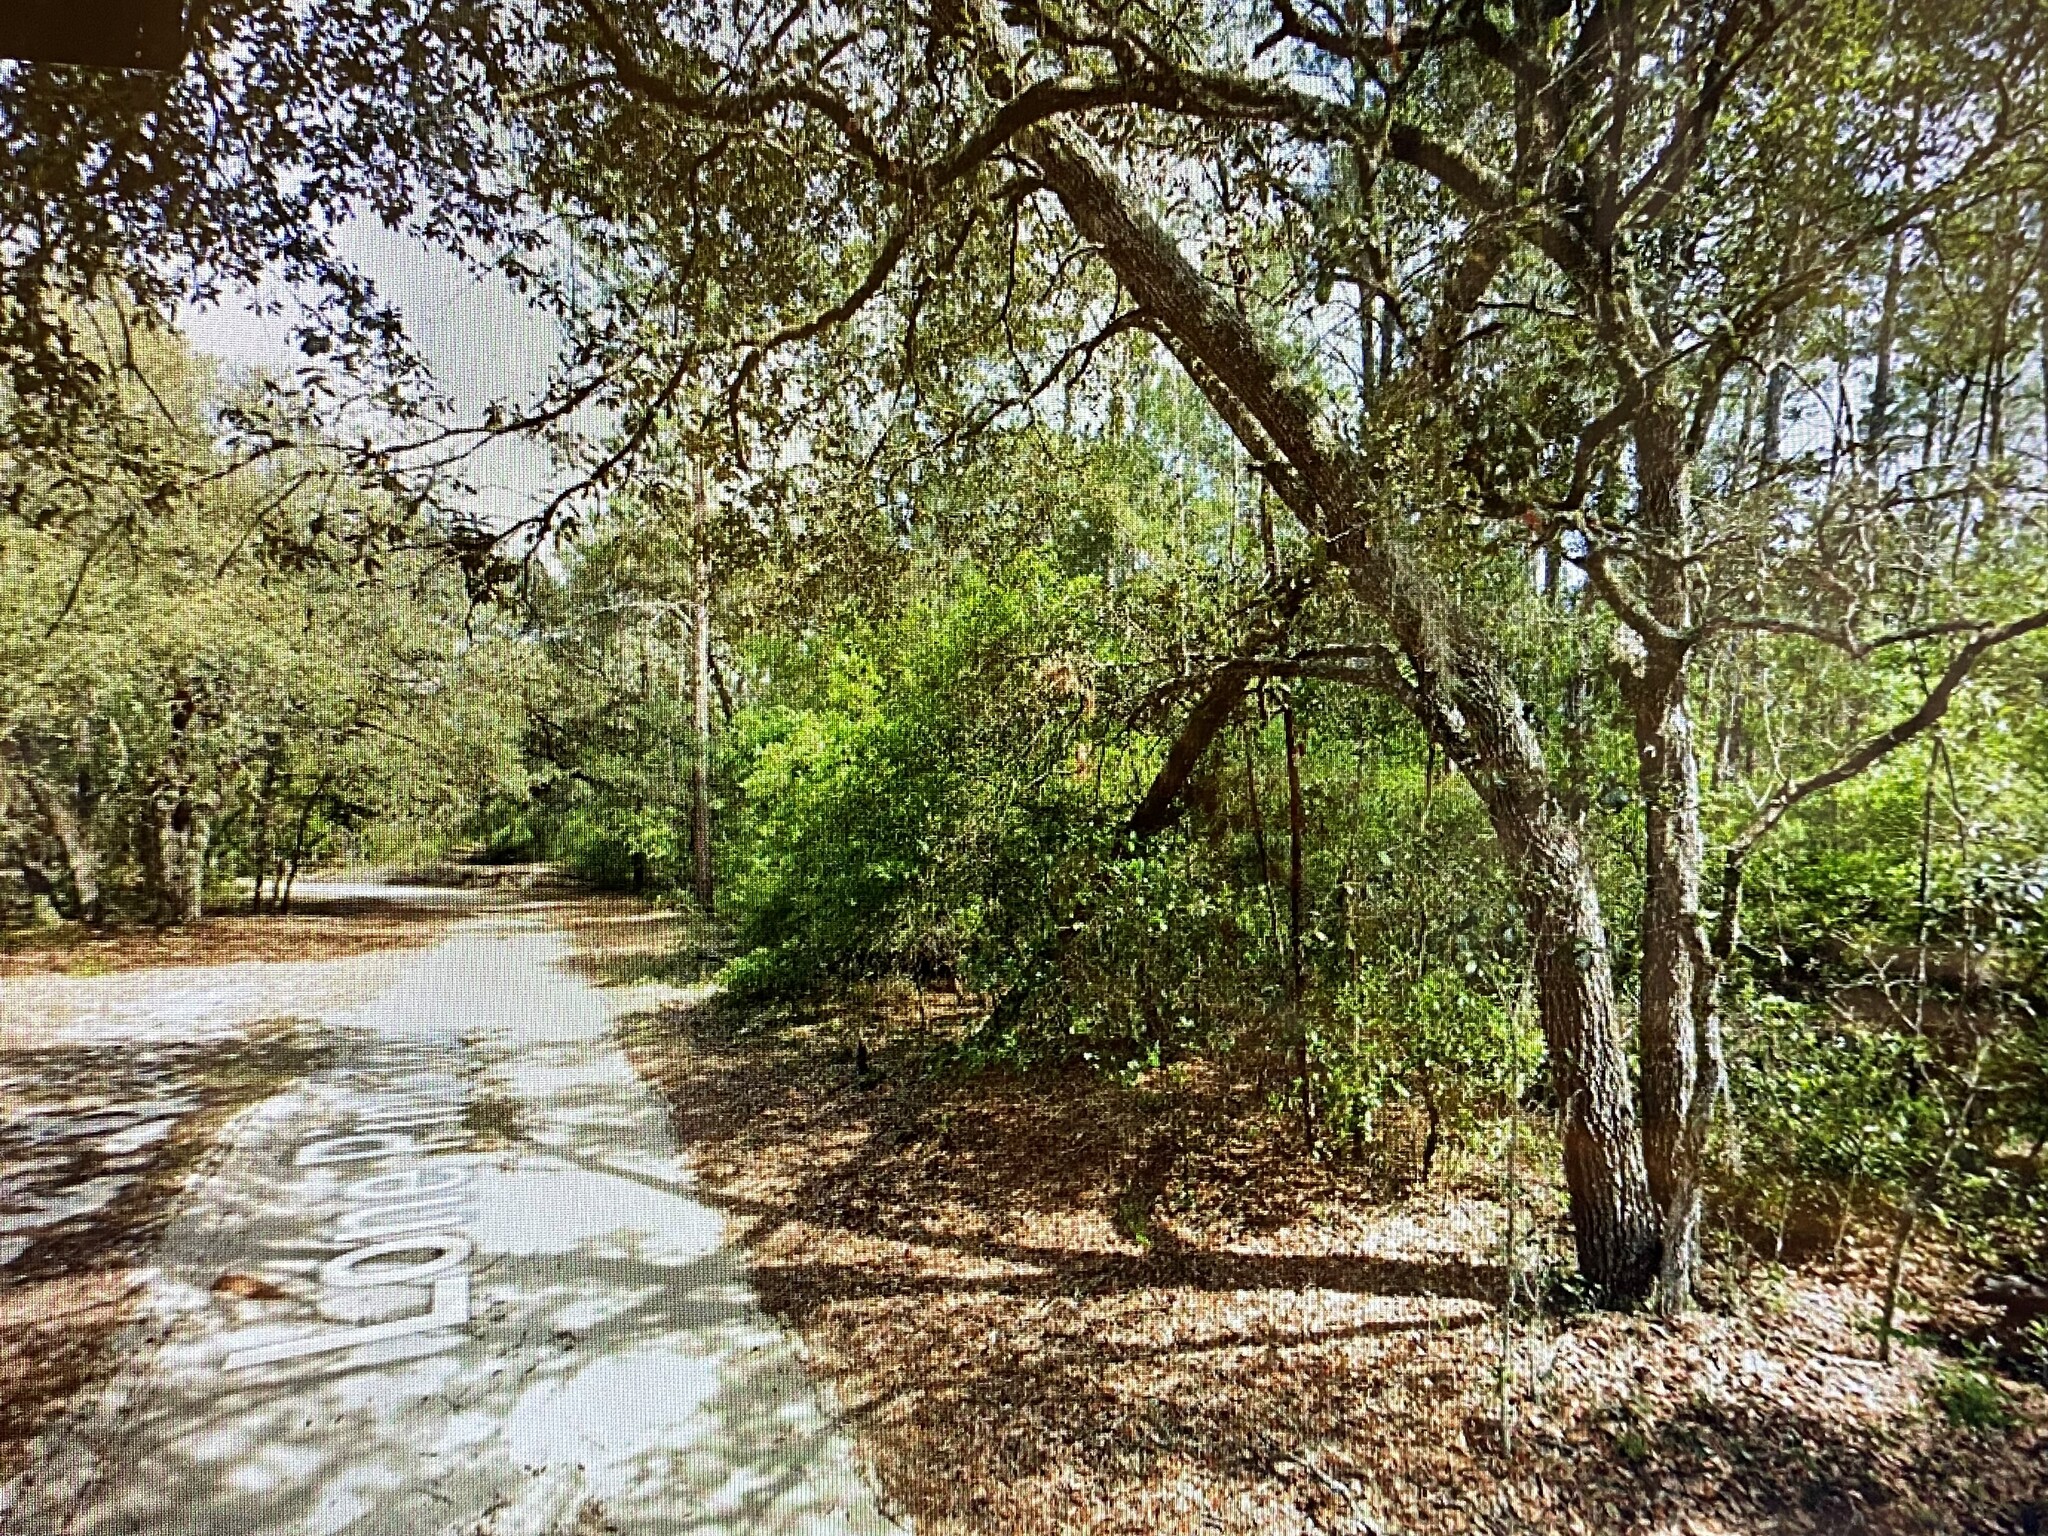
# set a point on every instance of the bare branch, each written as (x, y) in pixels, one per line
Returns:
(1160, 807)
(1624, 603)
(1844, 639)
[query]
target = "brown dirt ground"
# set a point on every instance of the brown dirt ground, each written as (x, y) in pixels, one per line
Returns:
(66, 1300)
(1292, 1348)
(314, 930)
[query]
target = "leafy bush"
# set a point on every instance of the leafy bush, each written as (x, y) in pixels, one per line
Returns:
(1970, 1398)
(902, 793)
(1433, 1038)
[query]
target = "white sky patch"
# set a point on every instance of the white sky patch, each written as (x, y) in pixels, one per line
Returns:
(483, 341)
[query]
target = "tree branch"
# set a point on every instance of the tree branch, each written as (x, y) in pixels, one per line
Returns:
(1160, 807)
(1874, 749)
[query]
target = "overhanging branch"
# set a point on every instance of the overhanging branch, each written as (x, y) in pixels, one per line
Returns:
(1874, 749)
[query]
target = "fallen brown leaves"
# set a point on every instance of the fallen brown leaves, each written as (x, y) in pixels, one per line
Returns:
(1057, 1304)
(622, 941)
(247, 1288)
(331, 930)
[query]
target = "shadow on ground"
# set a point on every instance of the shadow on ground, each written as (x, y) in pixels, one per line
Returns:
(615, 1374)
(1019, 1362)
(96, 1142)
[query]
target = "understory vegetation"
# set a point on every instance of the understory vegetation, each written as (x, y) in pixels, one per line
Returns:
(1480, 568)
(937, 791)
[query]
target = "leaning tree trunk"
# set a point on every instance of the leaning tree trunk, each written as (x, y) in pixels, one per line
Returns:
(1615, 1221)
(69, 823)
(1459, 689)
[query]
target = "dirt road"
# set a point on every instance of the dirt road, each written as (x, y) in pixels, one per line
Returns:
(454, 1280)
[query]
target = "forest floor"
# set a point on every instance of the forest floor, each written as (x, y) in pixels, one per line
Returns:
(1067, 1304)
(320, 926)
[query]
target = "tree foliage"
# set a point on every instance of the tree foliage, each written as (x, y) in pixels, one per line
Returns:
(1634, 410)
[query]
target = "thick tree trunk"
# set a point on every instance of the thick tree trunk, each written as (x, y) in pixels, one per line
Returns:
(1460, 691)
(68, 820)
(191, 890)
(1678, 1029)
(178, 822)
(1668, 779)
(174, 863)
(1678, 1033)
(1615, 1222)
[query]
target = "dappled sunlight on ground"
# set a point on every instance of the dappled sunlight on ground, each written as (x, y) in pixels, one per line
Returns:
(562, 1341)
(1052, 1304)
(111, 1092)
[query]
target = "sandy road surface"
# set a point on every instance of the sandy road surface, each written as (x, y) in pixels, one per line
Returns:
(453, 1282)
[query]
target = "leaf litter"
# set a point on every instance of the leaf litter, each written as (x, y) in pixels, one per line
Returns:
(1057, 1302)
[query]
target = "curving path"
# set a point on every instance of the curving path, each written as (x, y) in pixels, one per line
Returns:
(454, 1282)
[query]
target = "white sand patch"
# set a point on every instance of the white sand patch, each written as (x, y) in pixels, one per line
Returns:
(554, 1326)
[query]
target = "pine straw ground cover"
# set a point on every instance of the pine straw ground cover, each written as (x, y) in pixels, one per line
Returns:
(1061, 1304)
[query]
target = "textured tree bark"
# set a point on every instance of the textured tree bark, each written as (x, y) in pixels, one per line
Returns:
(1461, 693)
(174, 864)
(1671, 890)
(1615, 1222)
(191, 889)
(178, 826)
(1161, 806)
(1678, 1031)
(69, 823)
